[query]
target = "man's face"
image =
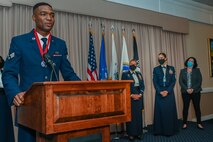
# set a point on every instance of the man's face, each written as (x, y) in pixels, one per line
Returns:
(44, 18)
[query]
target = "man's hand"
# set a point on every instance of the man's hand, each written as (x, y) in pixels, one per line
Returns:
(19, 99)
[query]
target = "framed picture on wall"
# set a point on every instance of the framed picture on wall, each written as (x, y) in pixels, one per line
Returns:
(210, 49)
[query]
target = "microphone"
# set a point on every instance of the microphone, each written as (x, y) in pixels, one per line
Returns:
(48, 61)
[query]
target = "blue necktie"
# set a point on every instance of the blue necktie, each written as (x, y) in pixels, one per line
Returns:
(45, 42)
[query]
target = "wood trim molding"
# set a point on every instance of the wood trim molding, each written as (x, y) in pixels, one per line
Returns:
(207, 90)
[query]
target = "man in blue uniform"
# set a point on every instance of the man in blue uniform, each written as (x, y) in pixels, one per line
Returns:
(134, 127)
(35, 57)
(6, 122)
(165, 113)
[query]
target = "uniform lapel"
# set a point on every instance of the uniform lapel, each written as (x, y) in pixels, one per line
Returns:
(130, 75)
(35, 45)
(32, 40)
(52, 46)
(140, 78)
(161, 69)
(167, 70)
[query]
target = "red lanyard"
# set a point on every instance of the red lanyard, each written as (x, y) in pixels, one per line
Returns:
(39, 44)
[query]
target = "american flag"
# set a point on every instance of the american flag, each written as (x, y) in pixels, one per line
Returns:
(92, 66)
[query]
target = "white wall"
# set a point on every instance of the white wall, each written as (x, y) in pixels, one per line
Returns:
(182, 8)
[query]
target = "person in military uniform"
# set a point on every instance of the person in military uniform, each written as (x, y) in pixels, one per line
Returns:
(135, 126)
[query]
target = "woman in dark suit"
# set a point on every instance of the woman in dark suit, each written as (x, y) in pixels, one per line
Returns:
(190, 80)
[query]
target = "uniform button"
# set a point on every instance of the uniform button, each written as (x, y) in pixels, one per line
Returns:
(46, 77)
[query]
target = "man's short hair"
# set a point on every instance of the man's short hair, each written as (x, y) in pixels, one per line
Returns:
(40, 4)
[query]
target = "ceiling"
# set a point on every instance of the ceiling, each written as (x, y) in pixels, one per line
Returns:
(206, 2)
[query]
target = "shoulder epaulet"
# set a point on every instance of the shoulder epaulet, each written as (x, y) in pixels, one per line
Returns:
(138, 72)
(125, 71)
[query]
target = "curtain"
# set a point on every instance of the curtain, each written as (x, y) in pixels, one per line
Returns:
(74, 29)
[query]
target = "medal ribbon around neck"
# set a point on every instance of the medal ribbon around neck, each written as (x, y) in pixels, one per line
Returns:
(39, 44)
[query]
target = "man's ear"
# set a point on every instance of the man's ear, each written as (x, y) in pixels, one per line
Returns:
(33, 17)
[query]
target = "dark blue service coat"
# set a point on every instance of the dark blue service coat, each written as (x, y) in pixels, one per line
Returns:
(134, 127)
(165, 112)
(23, 68)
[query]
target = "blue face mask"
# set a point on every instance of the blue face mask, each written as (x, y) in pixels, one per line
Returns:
(190, 64)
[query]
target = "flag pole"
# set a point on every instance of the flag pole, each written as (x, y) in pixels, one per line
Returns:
(103, 28)
(91, 66)
(116, 132)
(90, 25)
(123, 30)
(116, 125)
(112, 29)
(121, 70)
(103, 73)
(111, 76)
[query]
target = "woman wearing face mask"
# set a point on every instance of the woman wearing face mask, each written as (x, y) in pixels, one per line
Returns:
(165, 112)
(134, 127)
(190, 80)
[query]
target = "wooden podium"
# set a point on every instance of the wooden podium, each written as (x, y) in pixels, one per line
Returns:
(59, 111)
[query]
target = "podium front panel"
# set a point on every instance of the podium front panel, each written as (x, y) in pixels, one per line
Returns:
(71, 106)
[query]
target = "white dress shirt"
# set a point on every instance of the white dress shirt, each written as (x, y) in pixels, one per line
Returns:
(40, 37)
(1, 84)
(135, 77)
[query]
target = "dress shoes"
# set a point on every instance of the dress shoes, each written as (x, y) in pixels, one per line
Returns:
(184, 126)
(140, 137)
(131, 138)
(200, 126)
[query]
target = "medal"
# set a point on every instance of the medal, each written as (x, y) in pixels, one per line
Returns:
(42, 52)
(43, 64)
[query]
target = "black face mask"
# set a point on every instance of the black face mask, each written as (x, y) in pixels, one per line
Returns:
(161, 61)
(1, 64)
(132, 67)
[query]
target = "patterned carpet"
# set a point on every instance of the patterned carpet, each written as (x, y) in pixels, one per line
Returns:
(191, 134)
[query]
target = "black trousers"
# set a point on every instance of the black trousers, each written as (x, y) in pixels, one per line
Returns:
(195, 97)
(6, 122)
(134, 127)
